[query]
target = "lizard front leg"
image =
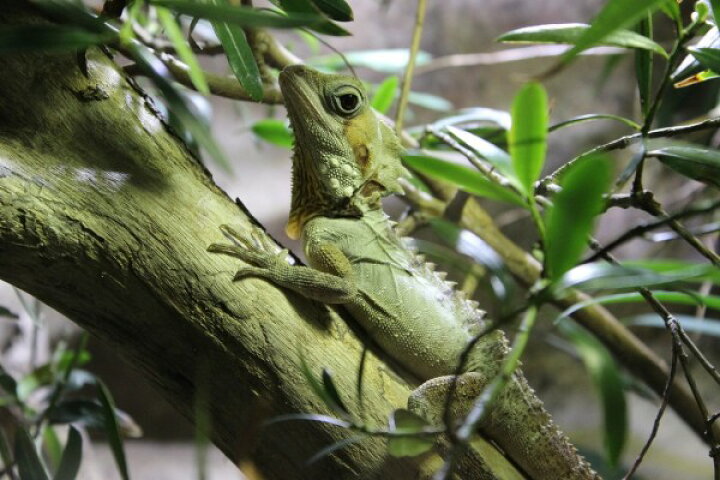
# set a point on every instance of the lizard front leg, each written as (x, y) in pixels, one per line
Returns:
(332, 284)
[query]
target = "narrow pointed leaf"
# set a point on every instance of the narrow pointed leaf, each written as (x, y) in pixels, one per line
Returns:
(476, 115)
(185, 113)
(242, 16)
(571, 33)
(570, 220)
(467, 179)
(71, 457)
(332, 392)
(615, 15)
(691, 65)
(338, 10)
(172, 29)
(528, 134)
(274, 131)
(111, 429)
(644, 65)
(306, 7)
(708, 57)
(406, 422)
(699, 163)
(28, 461)
(608, 383)
(48, 38)
(602, 276)
(594, 116)
(494, 155)
(696, 78)
(385, 94)
(391, 60)
(240, 56)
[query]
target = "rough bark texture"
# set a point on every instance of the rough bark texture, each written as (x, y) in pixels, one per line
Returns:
(105, 216)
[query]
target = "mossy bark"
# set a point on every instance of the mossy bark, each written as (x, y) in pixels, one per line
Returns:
(105, 216)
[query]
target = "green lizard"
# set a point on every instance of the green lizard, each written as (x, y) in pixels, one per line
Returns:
(345, 160)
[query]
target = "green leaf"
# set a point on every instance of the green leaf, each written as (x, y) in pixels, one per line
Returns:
(392, 60)
(476, 115)
(71, 457)
(569, 221)
(384, 94)
(111, 429)
(465, 178)
(328, 395)
(172, 29)
(615, 15)
(48, 38)
(602, 276)
(644, 65)
(306, 7)
(242, 16)
(240, 56)
(338, 10)
(715, 6)
(495, 156)
(594, 116)
(528, 134)
(608, 383)
(699, 163)
(28, 461)
(572, 33)
(696, 78)
(407, 423)
(671, 8)
(682, 298)
(51, 447)
(275, 132)
(39, 377)
(690, 270)
(690, 65)
(334, 447)
(332, 392)
(706, 326)
(708, 57)
(184, 112)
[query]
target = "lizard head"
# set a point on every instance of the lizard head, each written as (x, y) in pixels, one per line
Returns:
(345, 158)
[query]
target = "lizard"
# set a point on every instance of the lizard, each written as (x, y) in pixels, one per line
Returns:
(345, 160)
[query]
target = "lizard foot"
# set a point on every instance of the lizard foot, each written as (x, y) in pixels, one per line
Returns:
(259, 252)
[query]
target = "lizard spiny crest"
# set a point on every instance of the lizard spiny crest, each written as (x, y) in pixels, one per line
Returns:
(345, 158)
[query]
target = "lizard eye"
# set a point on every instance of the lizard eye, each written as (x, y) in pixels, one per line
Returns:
(346, 101)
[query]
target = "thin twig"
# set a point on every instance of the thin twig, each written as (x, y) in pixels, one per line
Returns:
(643, 229)
(408, 76)
(658, 417)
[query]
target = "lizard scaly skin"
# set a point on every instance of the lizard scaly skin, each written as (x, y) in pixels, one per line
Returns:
(346, 159)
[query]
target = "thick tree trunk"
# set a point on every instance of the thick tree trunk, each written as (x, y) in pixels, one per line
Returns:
(105, 216)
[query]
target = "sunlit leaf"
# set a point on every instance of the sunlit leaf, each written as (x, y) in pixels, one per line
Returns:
(238, 15)
(570, 220)
(474, 116)
(602, 276)
(405, 422)
(706, 326)
(690, 65)
(240, 56)
(309, 417)
(494, 155)
(696, 78)
(468, 179)
(5, 312)
(699, 163)
(528, 134)
(172, 29)
(615, 15)
(708, 57)
(608, 383)
(274, 131)
(338, 10)
(26, 456)
(594, 116)
(71, 457)
(385, 94)
(385, 60)
(48, 38)
(571, 33)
